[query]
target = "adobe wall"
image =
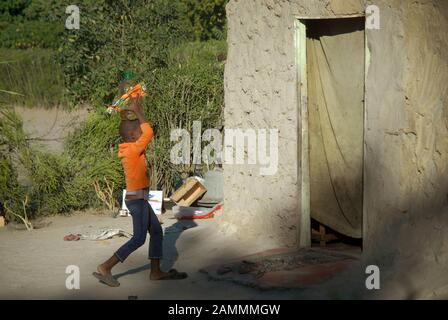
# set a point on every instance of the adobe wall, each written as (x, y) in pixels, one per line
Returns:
(406, 132)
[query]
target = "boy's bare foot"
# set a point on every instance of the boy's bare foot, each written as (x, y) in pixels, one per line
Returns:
(101, 269)
(157, 275)
(173, 274)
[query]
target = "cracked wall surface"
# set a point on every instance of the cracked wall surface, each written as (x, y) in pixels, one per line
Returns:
(406, 166)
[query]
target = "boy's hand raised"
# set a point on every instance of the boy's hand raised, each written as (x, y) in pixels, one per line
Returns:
(135, 106)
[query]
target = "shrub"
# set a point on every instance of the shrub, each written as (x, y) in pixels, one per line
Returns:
(190, 89)
(30, 23)
(208, 18)
(52, 183)
(35, 74)
(115, 36)
(31, 34)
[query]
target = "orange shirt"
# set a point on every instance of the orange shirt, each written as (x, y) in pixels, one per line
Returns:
(132, 156)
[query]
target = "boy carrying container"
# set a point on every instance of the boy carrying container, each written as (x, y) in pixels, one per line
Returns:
(136, 135)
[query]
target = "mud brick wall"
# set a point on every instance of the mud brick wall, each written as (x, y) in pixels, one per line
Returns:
(406, 135)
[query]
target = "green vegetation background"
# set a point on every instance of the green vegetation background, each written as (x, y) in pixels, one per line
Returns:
(177, 47)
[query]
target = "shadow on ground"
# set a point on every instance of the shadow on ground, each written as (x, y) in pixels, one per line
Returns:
(170, 238)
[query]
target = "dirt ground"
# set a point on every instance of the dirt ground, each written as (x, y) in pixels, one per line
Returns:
(33, 263)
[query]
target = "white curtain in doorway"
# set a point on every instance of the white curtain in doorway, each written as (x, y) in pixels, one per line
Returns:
(336, 61)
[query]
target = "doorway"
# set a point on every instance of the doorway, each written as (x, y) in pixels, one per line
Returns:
(332, 60)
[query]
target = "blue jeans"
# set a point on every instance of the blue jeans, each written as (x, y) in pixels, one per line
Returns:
(143, 220)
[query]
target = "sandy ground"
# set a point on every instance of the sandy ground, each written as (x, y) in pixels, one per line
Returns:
(33, 263)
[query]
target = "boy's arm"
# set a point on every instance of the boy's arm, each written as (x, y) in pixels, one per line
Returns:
(147, 132)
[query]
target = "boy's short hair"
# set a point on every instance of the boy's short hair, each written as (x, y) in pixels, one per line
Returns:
(127, 127)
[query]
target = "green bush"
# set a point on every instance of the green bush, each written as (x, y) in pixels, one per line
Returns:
(30, 24)
(13, 10)
(190, 89)
(208, 18)
(14, 155)
(93, 149)
(33, 73)
(116, 36)
(10, 189)
(52, 183)
(31, 34)
(113, 36)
